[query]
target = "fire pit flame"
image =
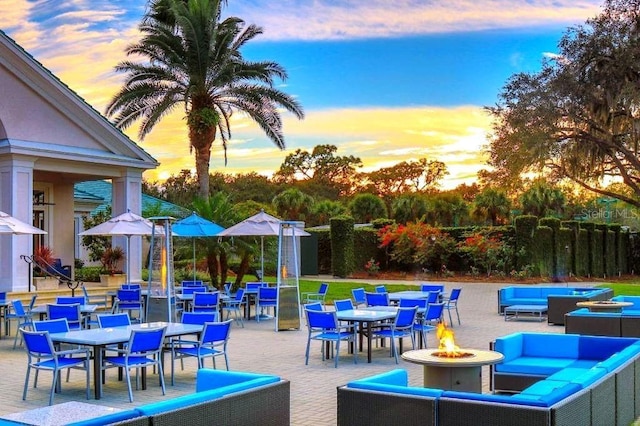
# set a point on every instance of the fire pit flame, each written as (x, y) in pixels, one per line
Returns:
(448, 347)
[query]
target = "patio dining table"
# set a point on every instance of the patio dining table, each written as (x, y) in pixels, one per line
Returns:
(98, 338)
(367, 317)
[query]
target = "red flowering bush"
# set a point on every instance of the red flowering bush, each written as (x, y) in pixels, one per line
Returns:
(484, 252)
(417, 244)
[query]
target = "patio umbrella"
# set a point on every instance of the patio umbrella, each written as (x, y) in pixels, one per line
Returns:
(127, 224)
(11, 225)
(195, 226)
(260, 225)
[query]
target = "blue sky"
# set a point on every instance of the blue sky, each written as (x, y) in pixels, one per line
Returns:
(387, 81)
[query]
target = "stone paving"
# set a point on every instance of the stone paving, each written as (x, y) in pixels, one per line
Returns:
(258, 348)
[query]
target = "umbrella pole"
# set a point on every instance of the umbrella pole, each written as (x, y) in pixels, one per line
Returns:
(128, 258)
(262, 256)
(194, 258)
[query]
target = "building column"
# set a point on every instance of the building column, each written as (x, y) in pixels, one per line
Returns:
(127, 196)
(16, 199)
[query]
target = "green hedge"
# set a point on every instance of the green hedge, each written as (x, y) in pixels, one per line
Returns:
(543, 249)
(564, 253)
(525, 232)
(366, 244)
(583, 253)
(342, 248)
(597, 251)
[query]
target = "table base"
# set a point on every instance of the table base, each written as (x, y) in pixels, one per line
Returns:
(467, 379)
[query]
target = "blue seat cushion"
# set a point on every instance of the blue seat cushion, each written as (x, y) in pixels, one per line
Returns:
(547, 392)
(582, 376)
(534, 365)
(398, 377)
(600, 347)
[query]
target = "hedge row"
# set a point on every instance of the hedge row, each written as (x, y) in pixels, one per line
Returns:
(550, 247)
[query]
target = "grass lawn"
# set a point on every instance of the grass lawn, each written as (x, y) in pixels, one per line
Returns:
(342, 289)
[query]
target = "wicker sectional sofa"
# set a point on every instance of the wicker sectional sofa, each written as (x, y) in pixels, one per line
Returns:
(559, 300)
(618, 324)
(221, 398)
(578, 380)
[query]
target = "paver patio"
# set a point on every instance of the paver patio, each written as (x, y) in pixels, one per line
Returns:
(258, 348)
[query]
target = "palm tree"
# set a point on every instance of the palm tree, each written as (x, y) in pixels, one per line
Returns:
(191, 56)
(219, 209)
(542, 199)
(293, 204)
(492, 204)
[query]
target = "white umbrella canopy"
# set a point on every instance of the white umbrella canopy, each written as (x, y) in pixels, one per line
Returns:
(126, 224)
(260, 225)
(11, 225)
(195, 226)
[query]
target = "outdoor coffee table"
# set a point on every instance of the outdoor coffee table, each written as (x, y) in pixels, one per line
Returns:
(461, 374)
(514, 312)
(604, 305)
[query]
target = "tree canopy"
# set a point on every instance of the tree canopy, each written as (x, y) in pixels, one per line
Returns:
(579, 116)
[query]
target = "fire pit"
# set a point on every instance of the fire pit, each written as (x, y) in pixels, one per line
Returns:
(450, 367)
(604, 305)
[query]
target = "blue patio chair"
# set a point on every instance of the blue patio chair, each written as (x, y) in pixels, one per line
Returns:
(401, 327)
(381, 289)
(314, 306)
(421, 304)
(192, 283)
(267, 298)
(358, 296)
(144, 349)
(308, 297)
(428, 321)
(432, 287)
(325, 327)
(212, 343)
(235, 305)
(59, 325)
(22, 317)
(114, 320)
(130, 301)
(94, 299)
(69, 300)
(228, 286)
(195, 289)
(376, 299)
(130, 286)
(42, 355)
(206, 302)
(451, 303)
(198, 317)
(72, 314)
(343, 305)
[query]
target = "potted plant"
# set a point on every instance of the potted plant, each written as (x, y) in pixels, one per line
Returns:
(43, 258)
(110, 260)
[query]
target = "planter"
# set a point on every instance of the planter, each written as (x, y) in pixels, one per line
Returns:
(115, 280)
(45, 283)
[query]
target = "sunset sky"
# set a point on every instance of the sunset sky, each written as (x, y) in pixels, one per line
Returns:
(386, 81)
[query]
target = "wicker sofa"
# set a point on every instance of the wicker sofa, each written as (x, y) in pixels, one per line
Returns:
(559, 300)
(580, 380)
(221, 398)
(619, 324)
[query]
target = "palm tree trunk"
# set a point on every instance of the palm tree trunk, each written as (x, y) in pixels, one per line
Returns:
(224, 266)
(203, 156)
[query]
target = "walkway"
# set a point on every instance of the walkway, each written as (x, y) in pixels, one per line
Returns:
(258, 348)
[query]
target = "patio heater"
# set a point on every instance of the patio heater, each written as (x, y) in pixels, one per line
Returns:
(288, 311)
(161, 291)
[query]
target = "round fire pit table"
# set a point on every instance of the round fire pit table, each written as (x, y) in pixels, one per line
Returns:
(463, 373)
(604, 305)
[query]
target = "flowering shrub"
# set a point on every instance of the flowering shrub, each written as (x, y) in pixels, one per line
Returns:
(372, 267)
(417, 245)
(484, 252)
